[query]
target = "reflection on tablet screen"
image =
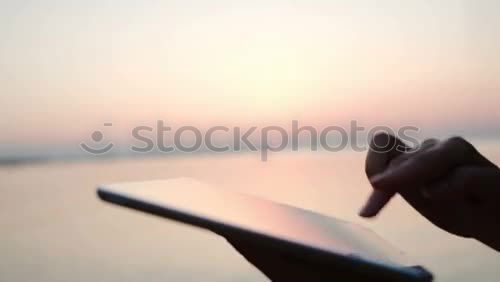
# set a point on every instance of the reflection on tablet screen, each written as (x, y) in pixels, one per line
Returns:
(266, 217)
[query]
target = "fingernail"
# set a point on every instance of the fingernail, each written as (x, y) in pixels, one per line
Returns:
(367, 211)
(376, 201)
(370, 209)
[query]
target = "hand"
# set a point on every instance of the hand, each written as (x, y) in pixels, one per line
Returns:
(448, 182)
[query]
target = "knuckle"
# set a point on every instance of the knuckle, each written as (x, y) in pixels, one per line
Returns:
(457, 141)
(382, 142)
(428, 143)
(459, 144)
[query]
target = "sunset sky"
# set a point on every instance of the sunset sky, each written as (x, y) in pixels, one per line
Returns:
(66, 67)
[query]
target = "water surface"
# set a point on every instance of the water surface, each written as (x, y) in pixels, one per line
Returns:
(55, 229)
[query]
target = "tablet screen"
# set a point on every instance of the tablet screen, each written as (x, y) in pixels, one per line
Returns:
(193, 198)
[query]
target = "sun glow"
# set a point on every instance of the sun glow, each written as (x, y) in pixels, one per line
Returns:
(252, 62)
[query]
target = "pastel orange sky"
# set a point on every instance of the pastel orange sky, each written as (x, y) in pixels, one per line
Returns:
(69, 66)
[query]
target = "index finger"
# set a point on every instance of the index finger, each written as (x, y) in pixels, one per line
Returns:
(383, 148)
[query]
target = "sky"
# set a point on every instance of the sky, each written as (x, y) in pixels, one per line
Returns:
(67, 67)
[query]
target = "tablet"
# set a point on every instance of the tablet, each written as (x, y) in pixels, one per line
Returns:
(292, 230)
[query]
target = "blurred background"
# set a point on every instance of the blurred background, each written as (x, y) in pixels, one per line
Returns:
(69, 67)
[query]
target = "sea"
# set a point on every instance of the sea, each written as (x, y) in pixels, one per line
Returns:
(54, 228)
